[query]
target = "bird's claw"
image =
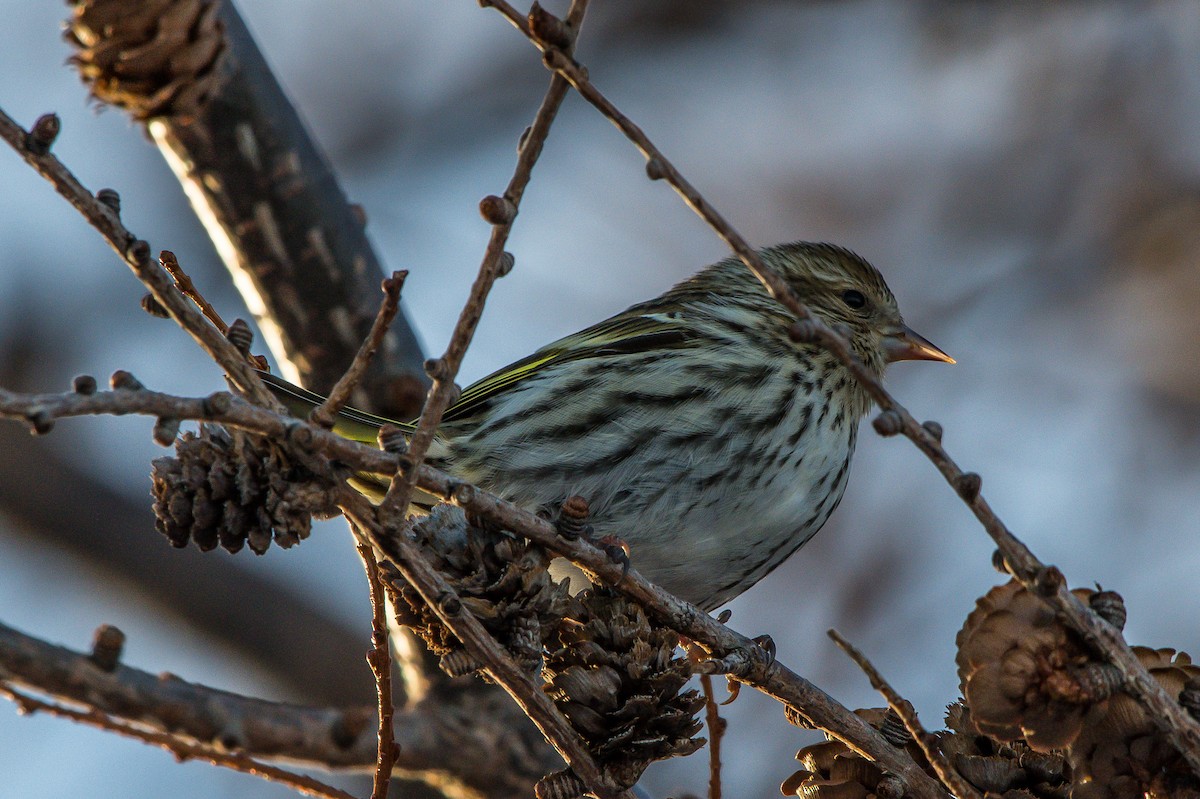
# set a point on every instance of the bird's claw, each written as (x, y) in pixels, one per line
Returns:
(743, 661)
(617, 551)
(767, 644)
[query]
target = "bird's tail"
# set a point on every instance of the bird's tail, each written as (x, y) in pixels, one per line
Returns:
(349, 423)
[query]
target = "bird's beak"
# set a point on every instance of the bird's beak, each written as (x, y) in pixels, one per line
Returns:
(907, 345)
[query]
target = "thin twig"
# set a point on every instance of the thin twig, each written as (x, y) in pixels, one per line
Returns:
(716, 731)
(182, 750)
(1169, 716)
(340, 395)
(380, 661)
(187, 288)
(501, 212)
(136, 253)
(904, 709)
(441, 598)
(770, 677)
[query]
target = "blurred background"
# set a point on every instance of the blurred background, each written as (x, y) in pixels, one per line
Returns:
(1026, 175)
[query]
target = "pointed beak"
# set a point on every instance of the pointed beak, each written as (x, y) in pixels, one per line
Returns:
(907, 345)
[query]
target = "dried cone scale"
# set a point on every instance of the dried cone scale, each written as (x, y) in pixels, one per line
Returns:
(501, 579)
(831, 770)
(1120, 751)
(1017, 667)
(229, 488)
(994, 767)
(618, 681)
(153, 58)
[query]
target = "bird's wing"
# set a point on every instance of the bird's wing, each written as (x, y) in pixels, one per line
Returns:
(631, 332)
(625, 334)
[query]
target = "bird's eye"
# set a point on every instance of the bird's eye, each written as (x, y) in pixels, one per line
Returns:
(854, 298)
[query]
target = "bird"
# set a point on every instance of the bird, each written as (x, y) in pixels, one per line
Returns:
(700, 434)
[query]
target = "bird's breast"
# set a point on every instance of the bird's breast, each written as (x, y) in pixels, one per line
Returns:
(713, 473)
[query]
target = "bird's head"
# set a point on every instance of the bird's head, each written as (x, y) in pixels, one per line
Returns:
(843, 289)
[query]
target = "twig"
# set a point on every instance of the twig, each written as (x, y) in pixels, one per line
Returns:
(500, 211)
(1169, 716)
(444, 601)
(772, 678)
(191, 713)
(182, 750)
(136, 254)
(904, 709)
(381, 665)
(340, 395)
(187, 288)
(716, 731)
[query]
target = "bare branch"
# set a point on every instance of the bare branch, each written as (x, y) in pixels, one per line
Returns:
(381, 666)
(317, 737)
(136, 254)
(904, 709)
(182, 750)
(340, 395)
(188, 711)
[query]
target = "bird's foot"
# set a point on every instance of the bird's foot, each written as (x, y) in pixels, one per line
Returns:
(617, 551)
(767, 644)
(743, 661)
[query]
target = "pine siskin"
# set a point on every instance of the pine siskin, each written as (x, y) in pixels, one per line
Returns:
(698, 432)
